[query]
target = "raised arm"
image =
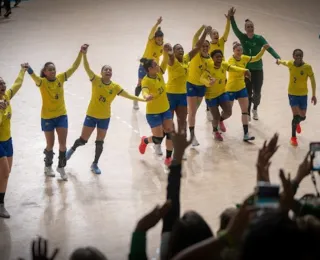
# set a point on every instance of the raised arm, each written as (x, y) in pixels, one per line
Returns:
(35, 77)
(74, 67)
(164, 63)
(199, 43)
(197, 35)
(125, 94)
(259, 55)
(18, 83)
(234, 25)
(270, 50)
(154, 29)
(227, 28)
(232, 68)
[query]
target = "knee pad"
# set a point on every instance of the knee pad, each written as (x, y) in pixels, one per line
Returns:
(245, 113)
(62, 159)
(168, 136)
(302, 118)
(137, 91)
(157, 140)
(80, 142)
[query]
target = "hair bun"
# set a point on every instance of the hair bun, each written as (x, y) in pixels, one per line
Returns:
(247, 20)
(235, 43)
(159, 28)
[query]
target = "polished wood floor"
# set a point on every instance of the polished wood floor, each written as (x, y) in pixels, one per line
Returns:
(102, 210)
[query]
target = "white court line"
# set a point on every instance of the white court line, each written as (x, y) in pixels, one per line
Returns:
(286, 18)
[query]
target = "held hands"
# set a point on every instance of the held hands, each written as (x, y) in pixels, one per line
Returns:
(231, 12)
(3, 105)
(212, 81)
(278, 61)
(167, 48)
(247, 74)
(148, 97)
(314, 100)
(208, 29)
(84, 48)
(25, 66)
(266, 46)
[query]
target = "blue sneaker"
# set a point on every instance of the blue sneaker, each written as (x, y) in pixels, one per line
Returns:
(247, 137)
(95, 169)
(69, 153)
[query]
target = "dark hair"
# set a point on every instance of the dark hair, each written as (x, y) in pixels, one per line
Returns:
(212, 54)
(296, 50)
(187, 231)
(87, 253)
(235, 45)
(42, 75)
(282, 235)
(146, 63)
(104, 67)
(226, 216)
(158, 33)
(248, 20)
(176, 45)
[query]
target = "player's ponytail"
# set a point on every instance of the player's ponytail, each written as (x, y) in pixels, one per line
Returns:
(146, 63)
(42, 75)
(159, 32)
(235, 45)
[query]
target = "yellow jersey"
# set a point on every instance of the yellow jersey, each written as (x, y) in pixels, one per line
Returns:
(220, 75)
(153, 50)
(5, 115)
(236, 80)
(156, 88)
(52, 92)
(102, 94)
(221, 42)
(177, 76)
(298, 84)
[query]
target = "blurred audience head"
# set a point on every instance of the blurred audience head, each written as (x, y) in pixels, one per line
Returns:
(87, 253)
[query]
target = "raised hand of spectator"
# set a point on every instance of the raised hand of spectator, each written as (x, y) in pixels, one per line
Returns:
(304, 169)
(40, 250)
(153, 217)
(286, 197)
(264, 156)
(180, 143)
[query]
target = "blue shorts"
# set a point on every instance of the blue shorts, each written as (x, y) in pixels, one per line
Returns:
(155, 120)
(49, 125)
(195, 91)
(141, 72)
(177, 100)
(298, 101)
(243, 93)
(95, 122)
(214, 102)
(6, 148)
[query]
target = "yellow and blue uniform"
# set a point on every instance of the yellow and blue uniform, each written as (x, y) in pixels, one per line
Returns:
(54, 112)
(152, 51)
(158, 109)
(102, 95)
(196, 67)
(221, 42)
(176, 85)
(236, 81)
(6, 148)
(216, 94)
(298, 84)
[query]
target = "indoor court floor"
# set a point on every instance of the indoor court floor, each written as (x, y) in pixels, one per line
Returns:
(102, 211)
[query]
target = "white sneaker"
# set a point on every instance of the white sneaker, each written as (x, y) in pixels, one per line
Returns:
(48, 171)
(62, 173)
(157, 149)
(209, 116)
(195, 141)
(135, 105)
(255, 114)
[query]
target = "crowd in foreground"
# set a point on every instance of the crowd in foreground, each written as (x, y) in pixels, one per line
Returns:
(289, 231)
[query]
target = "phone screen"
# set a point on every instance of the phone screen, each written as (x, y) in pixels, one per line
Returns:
(267, 196)
(315, 150)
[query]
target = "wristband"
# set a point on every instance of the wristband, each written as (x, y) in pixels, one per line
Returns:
(30, 71)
